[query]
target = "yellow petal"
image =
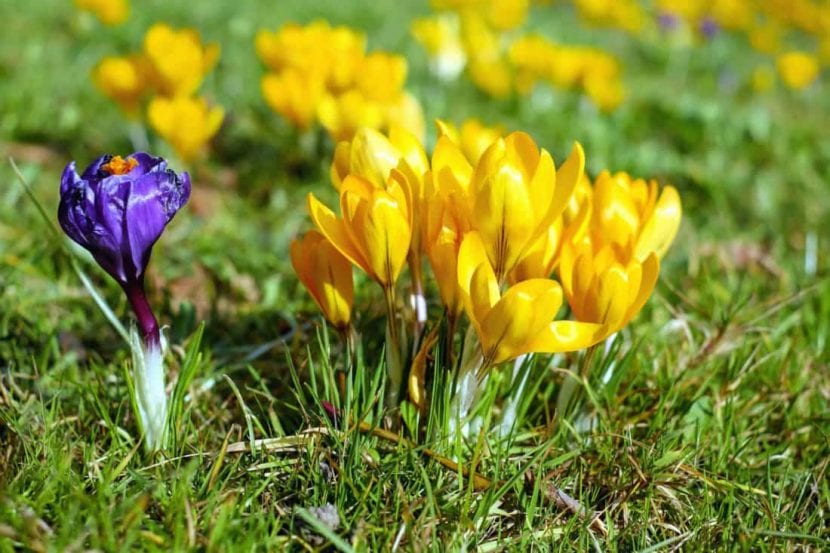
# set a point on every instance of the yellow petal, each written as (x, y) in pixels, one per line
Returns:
(372, 156)
(335, 232)
(161, 114)
(541, 188)
(385, 233)
(337, 286)
(326, 274)
(612, 297)
(471, 254)
(661, 227)
(562, 336)
(521, 152)
(409, 149)
(450, 168)
(341, 164)
(446, 129)
(525, 310)
(568, 176)
(443, 258)
(651, 270)
(484, 293)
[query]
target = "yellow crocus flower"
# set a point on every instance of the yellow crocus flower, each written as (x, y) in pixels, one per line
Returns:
(121, 79)
(381, 76)
(372, 155)
(332, 54)
(607, 287)
(375, 229)
(797, 69)
(629, 213)
(519, 321)
(343, 115)
(444, 229)
(622, 14)
(504, 15)
(732, 14)
(487, 66)
(327, 276)
(687, 9)
(473, 137)
(492, 75)
(177, 58)
(109, 12)
(186, 123)
(294, 95)
(516, 194)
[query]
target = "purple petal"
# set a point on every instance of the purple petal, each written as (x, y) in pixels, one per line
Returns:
(107, 239)
(147, 163)
(75, 211)
(69, 177)
(145, 218)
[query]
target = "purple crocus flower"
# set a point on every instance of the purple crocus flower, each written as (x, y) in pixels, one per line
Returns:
(709, 27)
(117, 209)
(668, 21)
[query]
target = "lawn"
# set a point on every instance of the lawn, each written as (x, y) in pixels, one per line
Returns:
(702, 425)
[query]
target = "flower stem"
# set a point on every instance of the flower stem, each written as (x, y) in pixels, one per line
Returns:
(148, 369)
(449, 341)
(347, 336)
(143, 313)
(149, 394)
(418, 300)
(394, 360)
(469, 381)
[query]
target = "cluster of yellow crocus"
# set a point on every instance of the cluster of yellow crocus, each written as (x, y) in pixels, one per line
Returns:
(164, 77)
(808, 16)
(626, 15)
(484, 36)
(495, 224)
(797, 69)
(767, 26)
(319, 73)
(109, 12)
(591, 70)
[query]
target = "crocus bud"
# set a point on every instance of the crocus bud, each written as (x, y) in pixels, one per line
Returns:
(117, 209)
(327, 276)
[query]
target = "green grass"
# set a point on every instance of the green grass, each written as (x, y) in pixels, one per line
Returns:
(705, 424)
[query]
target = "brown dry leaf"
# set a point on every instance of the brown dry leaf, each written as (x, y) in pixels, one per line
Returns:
(417, 372)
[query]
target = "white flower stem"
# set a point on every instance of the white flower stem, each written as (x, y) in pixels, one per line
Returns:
(150, 397)
(467, 387)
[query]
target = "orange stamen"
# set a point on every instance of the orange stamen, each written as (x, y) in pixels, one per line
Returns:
(119, 166)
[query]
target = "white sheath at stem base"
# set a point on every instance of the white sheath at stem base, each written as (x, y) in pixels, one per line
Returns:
(467, 387)
(149, 390)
